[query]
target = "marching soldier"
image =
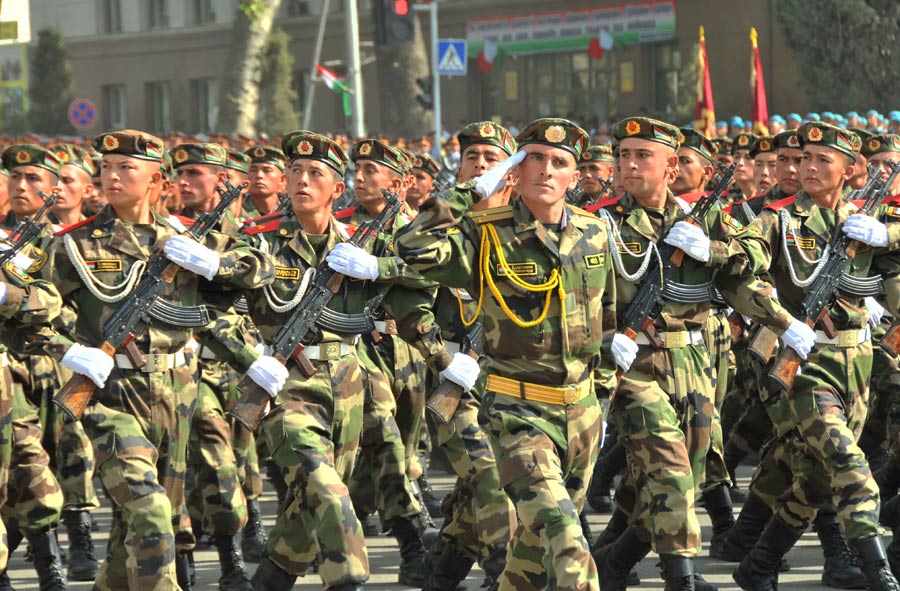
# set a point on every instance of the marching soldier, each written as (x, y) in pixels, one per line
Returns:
(595, 166)
(266, 174)
(743, 187)
(425, 171)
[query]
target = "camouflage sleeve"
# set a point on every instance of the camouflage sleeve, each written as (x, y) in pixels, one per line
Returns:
(394, 270)
(605, 374)
(890, 216)
(733, 249)
(53, 340)
(29, 301)
(439, 243)
(226, 334)
(888, 266)
(413, 310)
(241, 265)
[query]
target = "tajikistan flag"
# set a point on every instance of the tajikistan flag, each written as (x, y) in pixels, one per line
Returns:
(336, 83)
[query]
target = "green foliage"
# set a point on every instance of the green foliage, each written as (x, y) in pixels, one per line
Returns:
(687, 86)
(50, 89)
(847, 51)
(252, 8)
(277, 97)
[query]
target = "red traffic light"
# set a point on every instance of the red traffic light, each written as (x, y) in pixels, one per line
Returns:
(401, 7)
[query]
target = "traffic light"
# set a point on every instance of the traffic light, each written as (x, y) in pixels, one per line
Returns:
(425, 97)
(393, 21)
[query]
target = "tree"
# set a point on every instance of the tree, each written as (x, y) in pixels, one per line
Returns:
(50, 92)
(239, 96)
(277, 96)
(847, 51)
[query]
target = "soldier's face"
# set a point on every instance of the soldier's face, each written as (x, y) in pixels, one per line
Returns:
(545, 175)
(235, 177)
(4, 194)
(743, 172)
(692, 173)
(24, 183)
(824, 170)
(478, 159)
(75, 185)
(592, 175)
(787, 169)
(313, 186)
(421, 188)
(371, 177)
(96, 200)
(128, 181)
(265, 180)
(725, 159)
(881, 160)
(197, 184)
(764, 171)
(646, 166)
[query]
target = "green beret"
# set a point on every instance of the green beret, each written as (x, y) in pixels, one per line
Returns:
(817, 133)
(426, 163)
(644, 128)
(742, 141)
(266, 155)
(210, 154)
(864, 134)
(96, 159)
(409, 158)
(879, 144)
(486, 132)
(236, 160)
(698, 142)
(76, 156)
(559, 133)
(601, 153)
(787, 139)
(31, 155)
(312, 146)
(722, 145)
(763, 144)
(128, 142)
(379, 152)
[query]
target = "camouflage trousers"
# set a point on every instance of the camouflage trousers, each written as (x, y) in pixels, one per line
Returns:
(139, 424)
(883, 425)
(547, 457)
(717, 336)
(313, 437)
(663, 411)
(745, 421)
(6, 447)
(380, 481)
(216, 500)
(482, 517)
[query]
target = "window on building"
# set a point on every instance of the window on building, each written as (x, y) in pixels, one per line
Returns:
(204, 110)
(300, 82)
(666, 70)
(159, 107)
(156, 14)
(110, 16)
(203, 12)
(296, 7)
(113, 96)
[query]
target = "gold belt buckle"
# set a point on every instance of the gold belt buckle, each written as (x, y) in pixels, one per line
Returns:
(331, 351)
(676, 339)
(848, 338)
(156, 363)
(571, 395)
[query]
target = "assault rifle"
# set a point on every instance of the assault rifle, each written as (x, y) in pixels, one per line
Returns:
(77, 392)
(821, 295)
(585, 203)
(300, 329)
(444, 401)
(29, 228)
(648, 302)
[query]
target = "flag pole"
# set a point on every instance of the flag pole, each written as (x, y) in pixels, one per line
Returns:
(313, 73)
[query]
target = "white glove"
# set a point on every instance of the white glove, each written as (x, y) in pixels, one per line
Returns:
(353, 261)
(90, 362)
(799, 337)
(193, 256)
(463, 370)
(691, 239)
(3, 291)
(269, 374)
(492, 181)
(192, 345)
(876, 311)
(624, 351)
(866, 229)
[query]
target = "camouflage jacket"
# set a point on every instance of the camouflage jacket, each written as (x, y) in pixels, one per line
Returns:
(444, 243)
(747, 210)
(30, 305)
(109, 250)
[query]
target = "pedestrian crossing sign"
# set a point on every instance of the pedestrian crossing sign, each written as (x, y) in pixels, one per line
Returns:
(451, 57)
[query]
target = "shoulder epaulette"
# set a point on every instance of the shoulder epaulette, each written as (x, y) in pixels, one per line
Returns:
(892, 200)
(345, 213)
(582, 212)
(248, 225)
(494, 214)
(266, 226)
(692, 197)
(781, 203)
(185, 220)
(605, 202)
(75, 226)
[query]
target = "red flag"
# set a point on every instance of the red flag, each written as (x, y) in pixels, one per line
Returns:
(705, 111)
(759, 109)
(595, 50)
(487, 56)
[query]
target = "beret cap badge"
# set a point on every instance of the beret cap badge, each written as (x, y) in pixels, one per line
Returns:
(305, 148)
(555, 134)
(110, 142)
(487, 130)
(633, 128)
(23, 157)
(743, 140)
(365, 149)
(181, 155)
(814, 134)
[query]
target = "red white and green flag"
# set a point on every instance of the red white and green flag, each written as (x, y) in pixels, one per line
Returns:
(338, 84)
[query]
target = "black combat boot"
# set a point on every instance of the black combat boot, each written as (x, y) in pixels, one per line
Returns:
(493, 565)
(448, 570)
(721, 513)
(608, 465)
(83, 565)
(615, 560)
(253, 536)
(5, 583)
(890, 516)
(841, 569)
(432, 503)
(48, 562)
(586, 529)
(733, 456)
(348, 587)
(758, 571)
(678, 572)
(412, 551)
(616, 526)
(888, 479)
(369, 524)
(183, 571)
(875, 564)
(737, 542)
(270, 577)
(234, 577)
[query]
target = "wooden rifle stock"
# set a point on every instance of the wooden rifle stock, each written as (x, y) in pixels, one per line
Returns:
(444, 401)
(76, 394)
(763, 344)
(249, 410)
(890, 342)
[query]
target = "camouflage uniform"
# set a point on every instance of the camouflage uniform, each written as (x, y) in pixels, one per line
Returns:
(546, 427)
(139, 421)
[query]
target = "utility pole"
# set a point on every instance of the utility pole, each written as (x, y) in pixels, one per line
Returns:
(313, 73)
(432, 8)
(354, 75)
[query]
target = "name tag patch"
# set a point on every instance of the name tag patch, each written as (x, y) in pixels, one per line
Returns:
(287, 273)
(520, 269)
(104, 265)
(634, 247)
(801, 242)
(733, 223)
(594, 260)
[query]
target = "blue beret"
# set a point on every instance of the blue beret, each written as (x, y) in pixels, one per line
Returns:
(871, 112)
(737, 120)
(721, 124)
(852, 114)
(794, 116)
